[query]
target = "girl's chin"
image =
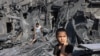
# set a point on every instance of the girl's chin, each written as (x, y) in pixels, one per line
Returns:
(62, 43)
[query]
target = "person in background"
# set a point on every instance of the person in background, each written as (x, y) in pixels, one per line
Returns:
(63, 48)
(37, 33)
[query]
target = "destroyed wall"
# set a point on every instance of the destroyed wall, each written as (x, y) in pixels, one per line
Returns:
(3, 25)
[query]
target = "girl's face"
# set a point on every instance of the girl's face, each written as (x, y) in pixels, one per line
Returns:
(37, 25)
(62, 37)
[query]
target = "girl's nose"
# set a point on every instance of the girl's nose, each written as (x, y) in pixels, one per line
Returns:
(61, 38)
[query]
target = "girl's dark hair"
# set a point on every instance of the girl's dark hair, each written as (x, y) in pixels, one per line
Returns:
(60, 30)
(37, 23)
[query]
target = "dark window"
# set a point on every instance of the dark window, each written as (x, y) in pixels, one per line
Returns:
(9, 27)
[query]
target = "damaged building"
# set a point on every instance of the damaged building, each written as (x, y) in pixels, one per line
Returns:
(80, 18)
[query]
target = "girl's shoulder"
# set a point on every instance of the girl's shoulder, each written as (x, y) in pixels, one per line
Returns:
(69, 45)
(69, 48)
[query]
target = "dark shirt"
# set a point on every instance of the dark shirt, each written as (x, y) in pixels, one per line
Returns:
(68, 49)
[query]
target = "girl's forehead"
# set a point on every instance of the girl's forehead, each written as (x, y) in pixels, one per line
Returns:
(62, 32)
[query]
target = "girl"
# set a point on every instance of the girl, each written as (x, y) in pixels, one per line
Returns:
(63, 48)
